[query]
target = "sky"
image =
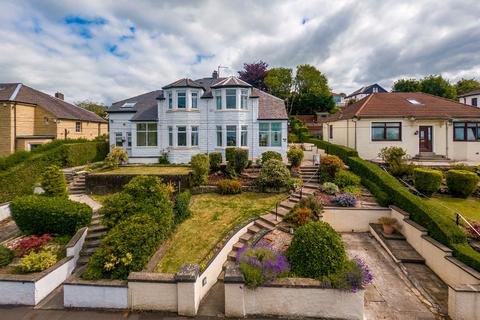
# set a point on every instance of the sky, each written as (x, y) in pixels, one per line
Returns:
(107, 51)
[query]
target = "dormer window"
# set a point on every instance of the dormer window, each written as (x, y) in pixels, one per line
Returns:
(194, 100)
(181, 99)
(375, 89)
(231, 98)
(128, 105)
(218, 99)
(244, 99)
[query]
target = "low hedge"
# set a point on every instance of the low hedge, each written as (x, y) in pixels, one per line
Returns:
(427, 181)
(462, 183)
(341, 151)
(229, 186)
(382, 197)
(57, 215)
(182, 206)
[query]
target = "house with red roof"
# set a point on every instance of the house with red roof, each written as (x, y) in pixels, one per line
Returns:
(426, 126)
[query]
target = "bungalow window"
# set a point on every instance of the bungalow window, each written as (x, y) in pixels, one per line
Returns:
(474, 102)
(170, 136)
(330, 131)
(219, 136)
(231, 95)
(194, 100)
(118, 139)
(244, 99)
(244, 136)
(181, 99)
(146, 134)
(231, 136)
(466, 131)
(194, 136)
(386, 131)
(129, 139)
(78, 126)
(270, 134)
(218, 99)
(182, 136)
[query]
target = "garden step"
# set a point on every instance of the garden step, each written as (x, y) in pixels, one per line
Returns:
(232, 256)
(95, 235)
(87, 251)
(237, 246)
(311, 185)
(254, 229)
(308, 167)
(287, 204)
(271, 218)
(83, 260)
(294, 199)
(245, 237)
(97, 228)
(228, 264)
(264, 224)
(92, 243)
(281, 211)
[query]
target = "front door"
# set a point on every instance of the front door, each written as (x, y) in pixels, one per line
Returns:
(425, 138)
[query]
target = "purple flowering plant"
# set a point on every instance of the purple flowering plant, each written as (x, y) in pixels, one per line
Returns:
(260, 265)
(345, 200)
(356, 277)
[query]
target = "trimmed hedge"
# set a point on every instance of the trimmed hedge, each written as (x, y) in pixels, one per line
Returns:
(267, 155)
(56, 215)
(229, 186)
(427, 181)
(462, 183)
(382, 197)
(215, 161)
(182, 206)
(341, 151)
(200, 167)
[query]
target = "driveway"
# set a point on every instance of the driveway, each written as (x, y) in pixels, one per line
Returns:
(390, 295)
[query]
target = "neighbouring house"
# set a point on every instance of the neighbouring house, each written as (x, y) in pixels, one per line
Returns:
(339, 99)
(314, 123)
(188, 117)
(426, 126)
(472, 98)
(365, 91)
(29, 118)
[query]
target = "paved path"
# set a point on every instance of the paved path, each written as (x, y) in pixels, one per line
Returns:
(83, 198)
(390, 295)
(8, 229)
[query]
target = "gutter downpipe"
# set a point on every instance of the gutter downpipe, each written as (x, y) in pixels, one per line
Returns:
(14, 127)
(446, 138)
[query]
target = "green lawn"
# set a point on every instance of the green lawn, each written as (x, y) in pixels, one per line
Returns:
(469, 208)
(213, 214)
(160, 170)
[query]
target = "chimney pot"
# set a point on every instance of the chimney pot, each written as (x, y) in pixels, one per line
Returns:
(59, 95)
(215, 74)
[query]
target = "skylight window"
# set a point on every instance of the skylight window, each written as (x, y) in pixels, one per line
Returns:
(413, 101)
(128, 105)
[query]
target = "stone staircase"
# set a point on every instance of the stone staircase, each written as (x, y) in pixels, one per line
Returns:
(92, 241)
(429, 156)
(77, 184)
(273, 217)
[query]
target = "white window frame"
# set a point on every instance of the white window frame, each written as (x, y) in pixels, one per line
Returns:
(270, 134)
(117, 140)
(170, 100)
(184, 93)
(244, 99)
(194, 136)
(170, 136)
(194, 100)
(219, 136)
(129, 139)
(218, 99)
(147, 131)
(78, 126)
(178, 136)
(244, 136)
(227, 131)
(227, 106)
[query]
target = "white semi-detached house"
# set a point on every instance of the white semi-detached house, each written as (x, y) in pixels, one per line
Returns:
(188, 117)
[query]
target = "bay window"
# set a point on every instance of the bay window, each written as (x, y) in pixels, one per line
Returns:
(218, 99)
(244, 136)
(244, 99)
(270, 134)
(219, 136)
(194, 100)
(231, 136)
(181, 99)
(170, 100)
(194, 136)
(466, 131)
(147, 134)
(182, 136)
(170, 136)
(386, 131)
(231, 95)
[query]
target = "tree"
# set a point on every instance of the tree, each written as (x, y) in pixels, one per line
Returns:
(254, 73)
(99, 108)
(466, 85)
(438, 86)
(279, 82)
(298, 128)
(406, 85)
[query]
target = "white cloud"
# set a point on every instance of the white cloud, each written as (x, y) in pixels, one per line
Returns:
(354, 43)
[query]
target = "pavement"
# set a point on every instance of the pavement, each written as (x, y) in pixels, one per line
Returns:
(390, 295)
(83, 198)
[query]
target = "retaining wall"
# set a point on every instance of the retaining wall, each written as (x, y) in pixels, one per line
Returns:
(352, 219)
(4, 211)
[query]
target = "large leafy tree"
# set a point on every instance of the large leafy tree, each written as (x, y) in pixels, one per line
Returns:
(98, 108)
(254, 73)
(279, 82)
(298, 129)
(406, 85)
(466, 85)
(438, 86)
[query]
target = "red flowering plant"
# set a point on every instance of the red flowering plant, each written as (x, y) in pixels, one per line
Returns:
(30, 243)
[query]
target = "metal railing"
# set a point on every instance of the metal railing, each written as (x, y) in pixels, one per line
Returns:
(458, 216)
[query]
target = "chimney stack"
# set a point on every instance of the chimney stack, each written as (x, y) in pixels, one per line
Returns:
(215, 74)
(59, 95)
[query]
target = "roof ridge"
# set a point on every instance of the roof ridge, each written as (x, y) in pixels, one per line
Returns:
(364, 104)
(449, 100)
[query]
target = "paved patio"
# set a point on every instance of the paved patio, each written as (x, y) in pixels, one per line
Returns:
(390, 295)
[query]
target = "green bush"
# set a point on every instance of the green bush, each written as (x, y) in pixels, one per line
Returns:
(295, 156)
(116, 157)
(36, 261)
(274, 174)
(462, 183)
(382, 197)
(182, 206)
(53, 182)
(316, 251)
(200, 167)
(395, 159)
(6, 256)
(230, 153)
(345, 178)
(125, 248)
(117, 207)
(13, 159)
(229, 186)
(355, 190)
(329, 166)
(330, 188)
(427, 181)
(267, 155)
(341, 151)
(55, 215)
(465, 253)
(83, 153)
(292, 138)
(215, 161)
(240, 160)
(311, 203)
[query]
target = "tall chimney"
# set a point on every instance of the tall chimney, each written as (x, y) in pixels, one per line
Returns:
(59, 95)
(215, 74)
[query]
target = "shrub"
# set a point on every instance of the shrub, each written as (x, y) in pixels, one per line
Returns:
(329, 166)
(13, 159)
(274, 174)
(345, 178)
(388, 221)
(345, 200)
(228, 186)
(427, 181)
(462, 183)
(268, 155)
(356, 276)
(116, 157)
(355, 190)
(292, 138)
(330, 188)
(125, 248)
(6, 256)
(182, 203)
(215, 161)
(382, 197)
(40, 215)
(53, 182)
(229, 153)
(36, 261)
(299, 216)
(240, 159)
(311, 203)
(200, 167)
(295, 156)
(163, 159)
(316, 251)
(261, 265)
(116, 208)
(395, 159)
(341, 151)
(31, 243)
(476, 226)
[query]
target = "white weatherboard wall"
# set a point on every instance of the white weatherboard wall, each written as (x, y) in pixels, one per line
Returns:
(85, 294)
(352, 219)
(4, 211)
(31, 289)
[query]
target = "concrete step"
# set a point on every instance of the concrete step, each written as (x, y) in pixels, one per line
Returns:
(311, 185)
(97, 228)
(232, 256)
(271, 218)
(254, 229)
(308, 167)
(245, 237)
(264, 224)
(87, 251)
(237, 246)
(281, 211)
(287, 204)
(95, 235)
(83, 260)
(92, 243)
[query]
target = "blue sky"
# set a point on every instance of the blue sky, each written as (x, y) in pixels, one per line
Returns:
(109, 50)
